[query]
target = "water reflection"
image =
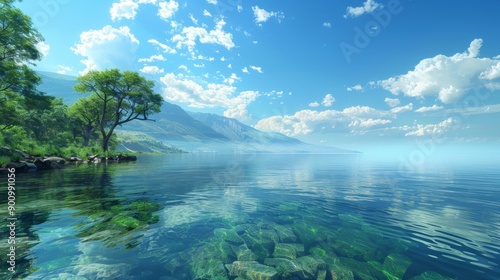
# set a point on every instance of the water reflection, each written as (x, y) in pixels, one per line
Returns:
(168, 215)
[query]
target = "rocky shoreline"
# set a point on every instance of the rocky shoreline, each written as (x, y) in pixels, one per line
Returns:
(30, 163)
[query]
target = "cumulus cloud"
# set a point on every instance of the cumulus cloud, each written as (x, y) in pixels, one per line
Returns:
(213, 2)
(167, 9)
(208, 95)
(191, 34)
(392, 102)
(123, 9)
(153, 58)
(429, 109)
(401, 109)
(368, 7)
(152, 70)
(262, 15)
(107, 48)
(314, 104)
(328, 100)
(63, 69)
(448, 77)
(161, 46)
(244, 70)
(43, 48)
(357, 87)
(432, 129)
(256, 68)
(307, 121)
(207, 13)
(327, 25)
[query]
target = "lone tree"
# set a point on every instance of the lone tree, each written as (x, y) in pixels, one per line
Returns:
(123, 97)
(18, 50)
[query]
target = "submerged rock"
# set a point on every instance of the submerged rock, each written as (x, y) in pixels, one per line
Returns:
(431, 275)
(208, 270)
(228, 235)
(252, 270)
(288, 250)
(395, 266)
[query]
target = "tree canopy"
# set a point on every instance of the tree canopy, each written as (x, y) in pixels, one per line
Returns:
(18, 50)
(122, 97)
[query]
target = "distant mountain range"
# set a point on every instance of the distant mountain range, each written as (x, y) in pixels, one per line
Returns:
(189, 131)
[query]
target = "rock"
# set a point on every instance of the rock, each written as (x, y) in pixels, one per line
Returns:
(208, 269)
(430, 275)
(340, 273)
(362, 270)
(252, 270)
(20, 167)
(228, 235)
(288, 250)
(32, 167)
(75, 159)
(128, 158)
(395, 266)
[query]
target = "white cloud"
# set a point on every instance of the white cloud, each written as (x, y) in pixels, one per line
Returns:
(163, 47)
(368, 122)
(207, 13)
(107, 48)
(392, 102)
(492, 73)
(184, 67)
(307, 121)
(450, 77)
(217, 36)
(357, 87)
(239, 8)
(328, 100)
(43, 48)
(256, 68)
(63, 69)
(244, 70)
(429, 109)
(213, 2)
(153, 58)
(314, 104)
(432, 129)
(368, 7)
(397, 110)
(123, 9)
(208, 95)
(262, 15)
(152, 70)
(327, 25)
(193, 19)
(231, 79)
(167, 9)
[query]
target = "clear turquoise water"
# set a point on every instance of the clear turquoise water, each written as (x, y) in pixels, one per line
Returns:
(357, 217)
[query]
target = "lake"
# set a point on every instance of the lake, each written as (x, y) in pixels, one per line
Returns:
(301, 216)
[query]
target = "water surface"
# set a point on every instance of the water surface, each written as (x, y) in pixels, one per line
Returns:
(191, 216)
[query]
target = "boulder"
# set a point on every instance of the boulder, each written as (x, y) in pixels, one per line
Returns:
(20, 167)
(252, 270)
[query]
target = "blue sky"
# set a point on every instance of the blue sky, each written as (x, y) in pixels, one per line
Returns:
(356, 74)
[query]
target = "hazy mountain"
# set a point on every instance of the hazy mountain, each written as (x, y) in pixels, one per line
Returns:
(189, 131)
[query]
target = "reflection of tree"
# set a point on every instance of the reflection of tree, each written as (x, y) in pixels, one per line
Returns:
(89, 190)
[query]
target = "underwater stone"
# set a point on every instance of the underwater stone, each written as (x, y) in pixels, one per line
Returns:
(354, 243)
(208, 270)
(173, 262)
(285, 233)
(362, 270)
(309, 233)
(431, 275)
(252, 270)
(288, 250)
(243, 253)
(340, 273)
(228, 235)
(309, 266)
(321, 275)
(395, 266)
(100, 271)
